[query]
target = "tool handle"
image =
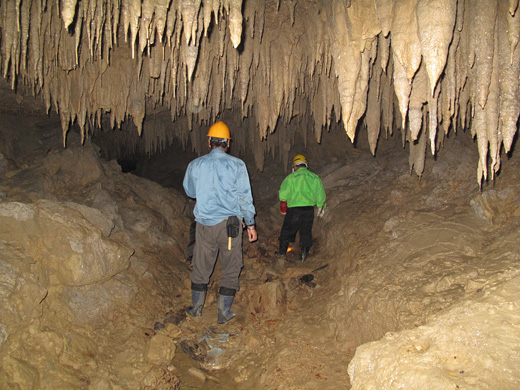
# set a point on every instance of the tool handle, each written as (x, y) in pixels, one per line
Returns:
(229, 244)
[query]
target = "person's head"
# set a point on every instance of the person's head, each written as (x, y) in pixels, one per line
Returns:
(299, 161)
(218, 136)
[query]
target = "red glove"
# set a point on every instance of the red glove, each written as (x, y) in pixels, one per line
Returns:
(283, 207)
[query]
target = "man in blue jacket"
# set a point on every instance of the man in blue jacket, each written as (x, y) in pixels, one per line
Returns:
(220, 184)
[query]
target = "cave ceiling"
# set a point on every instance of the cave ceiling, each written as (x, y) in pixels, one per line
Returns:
(423, 67)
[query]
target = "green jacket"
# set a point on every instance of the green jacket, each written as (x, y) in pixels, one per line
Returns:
(302, 188)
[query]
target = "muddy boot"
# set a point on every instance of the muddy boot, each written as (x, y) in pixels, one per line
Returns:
(282, 251)
(198, 297)
(305, 253)
(225, 300)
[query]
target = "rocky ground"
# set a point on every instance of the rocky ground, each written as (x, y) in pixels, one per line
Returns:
(419, 272)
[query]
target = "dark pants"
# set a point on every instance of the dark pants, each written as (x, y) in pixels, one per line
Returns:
(298, 219)
(193, 230)
(210, 242)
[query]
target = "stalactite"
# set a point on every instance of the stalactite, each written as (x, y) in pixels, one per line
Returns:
(402, 89)
(360, 98)
(433, 105)
(145, 22)
(479, 124)
(125, 17)
(67, 49)
(435, 21)
(235, 21)
(68, 9)
(274, 62)
(9, 40)
(347, 65)
(373, 116)
(509, 94)
(464, 103)
(405, 41)
(24, 32)
(363, 28)
(387, 101)
(418, 98)
(384, 10)
(114, 22)
(134, 10)
(34, 56)
(160, 15)
(494, 137)
(449, 86)
(77, 37)
(384, 52)
(363, 24)
(417, 152)
(483, 29)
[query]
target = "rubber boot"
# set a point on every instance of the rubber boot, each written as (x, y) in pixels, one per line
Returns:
(198, 297)
(225, 300)
(282, 251)
(305, 253)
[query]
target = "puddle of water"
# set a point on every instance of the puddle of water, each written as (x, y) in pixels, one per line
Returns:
(183, 362)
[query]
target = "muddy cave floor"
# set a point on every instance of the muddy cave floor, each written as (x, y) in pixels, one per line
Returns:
(278, 338)
(391, 251)
(285, 335)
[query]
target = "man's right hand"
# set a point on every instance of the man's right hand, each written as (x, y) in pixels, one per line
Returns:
(252, 234)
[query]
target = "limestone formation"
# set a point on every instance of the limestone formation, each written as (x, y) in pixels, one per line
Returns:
(116, 64)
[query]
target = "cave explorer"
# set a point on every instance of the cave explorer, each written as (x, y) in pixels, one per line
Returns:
(220, 185)
(299, 193)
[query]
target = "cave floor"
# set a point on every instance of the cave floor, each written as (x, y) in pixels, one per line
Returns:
(392, 251)
(290, 334)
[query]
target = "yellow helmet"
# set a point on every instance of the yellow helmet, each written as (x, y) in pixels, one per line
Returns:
(219, 130)
(299, 159)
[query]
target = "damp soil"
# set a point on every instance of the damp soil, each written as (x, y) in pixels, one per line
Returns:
(392, 251)
(301, 334)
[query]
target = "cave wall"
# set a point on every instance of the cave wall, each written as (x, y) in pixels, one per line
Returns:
(424, 67)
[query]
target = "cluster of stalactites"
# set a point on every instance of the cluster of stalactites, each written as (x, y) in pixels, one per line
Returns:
(70, 52)
(421, 66)
(452, 64)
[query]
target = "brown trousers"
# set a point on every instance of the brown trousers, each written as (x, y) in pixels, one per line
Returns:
(210, 241)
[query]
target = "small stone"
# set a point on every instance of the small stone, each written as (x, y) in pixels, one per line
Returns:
(197, 374)
(161, 349)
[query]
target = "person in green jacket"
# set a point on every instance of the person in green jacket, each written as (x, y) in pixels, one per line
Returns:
(299, 193)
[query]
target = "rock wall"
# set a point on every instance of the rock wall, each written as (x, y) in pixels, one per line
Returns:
(88, 258)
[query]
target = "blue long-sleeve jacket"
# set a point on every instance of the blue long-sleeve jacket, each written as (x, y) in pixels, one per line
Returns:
(220, 184)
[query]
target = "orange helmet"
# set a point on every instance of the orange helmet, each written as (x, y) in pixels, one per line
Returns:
(219, 130)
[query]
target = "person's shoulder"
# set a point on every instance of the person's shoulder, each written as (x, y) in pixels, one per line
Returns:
(235, 160)
(314, 175)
